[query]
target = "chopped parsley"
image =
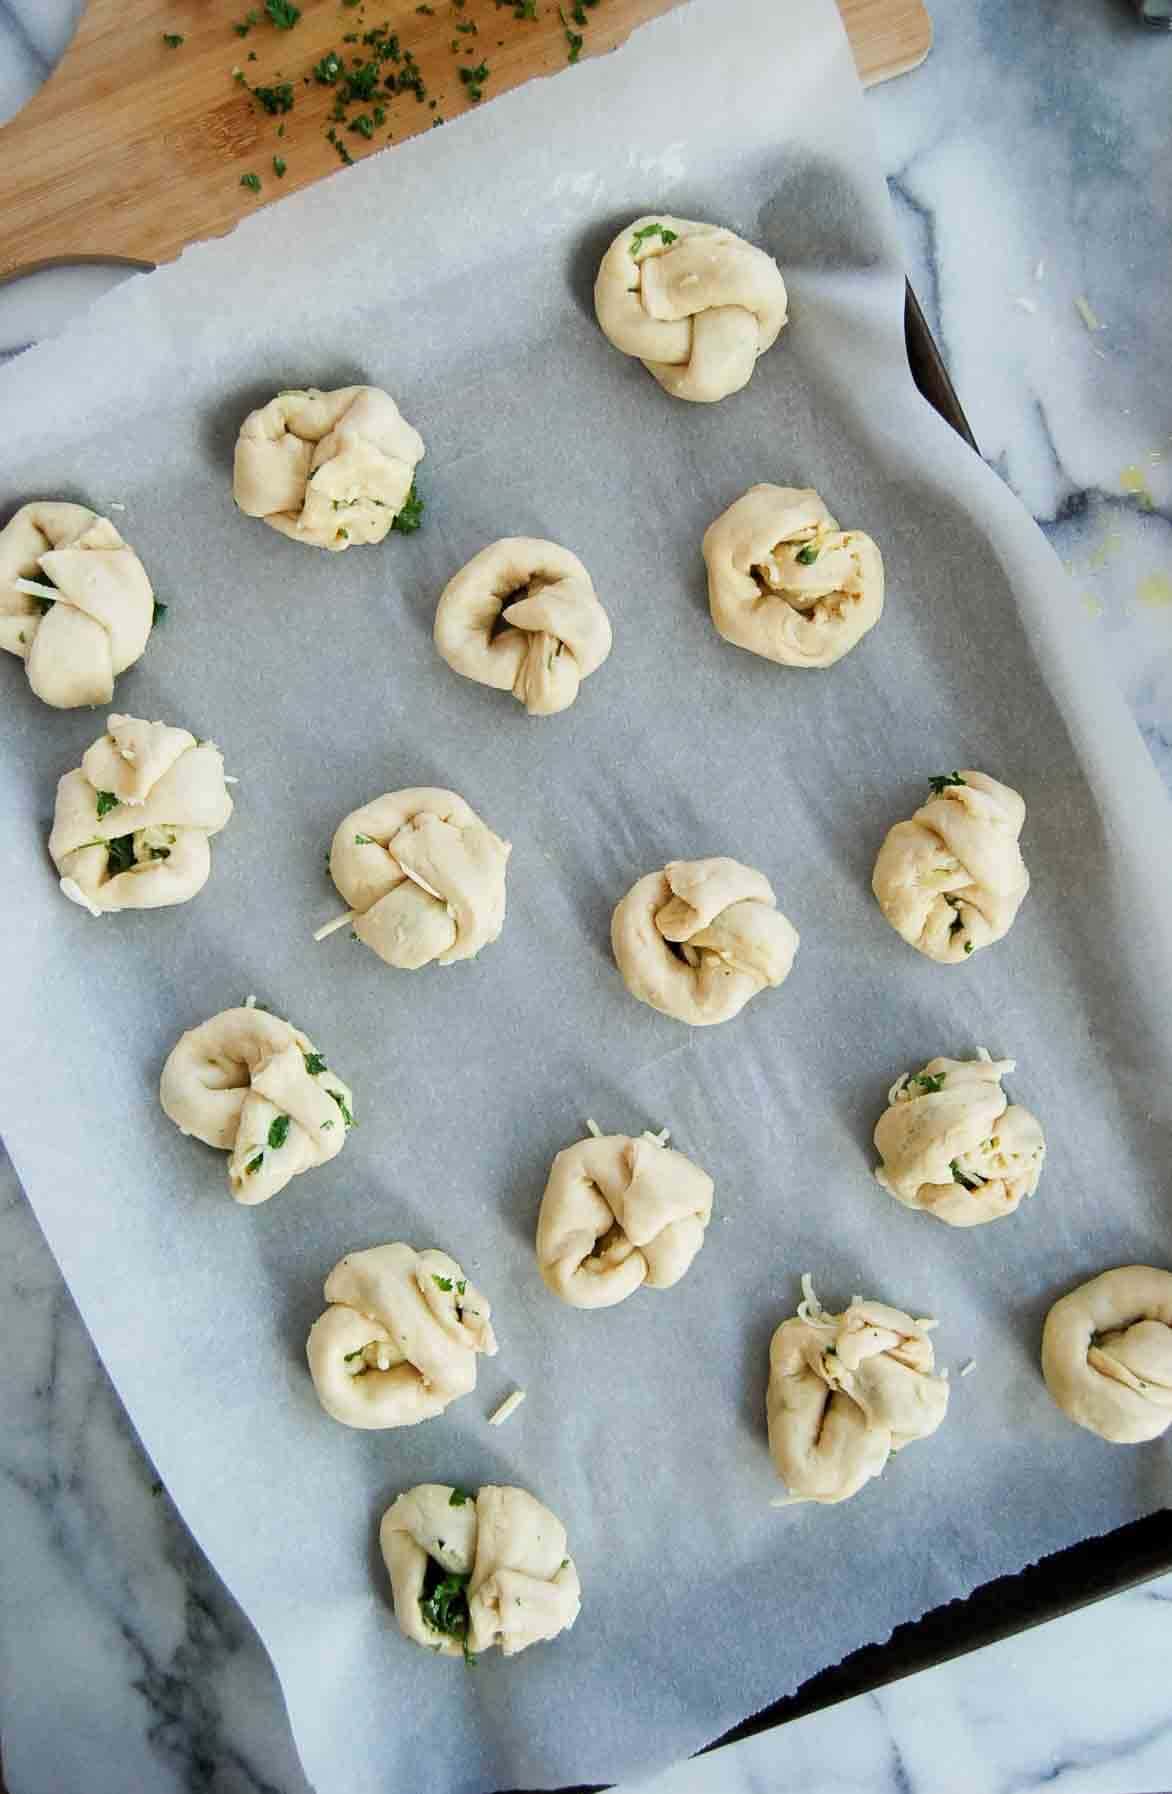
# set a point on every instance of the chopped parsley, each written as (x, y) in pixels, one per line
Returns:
(443, 1601)
(427, 11)
(522, 9)
(365, 841)
(251, 181)
(469, 27)
(409, 517)
(364, 125)
(342, 1104)
(968, 946)
(929, 1082)
(461, 1286)
(943, 779)
(314, 1063)
(158, 613)
(808, 555)
(444, 1283)
(283, 14)
(275, 99)
(343, 152)
(279, 167)
(328, 69)
(474, 79)
(247, 22)
(172, 39)
(458, 1497)
(958, 1177)
(106, 802)
(565, 1564)
(159, 853)
(254, 1165)
(651, 230)
(574, 39)
(119, 855)
(279, 1132)
(326, 1124)
(349, 1357)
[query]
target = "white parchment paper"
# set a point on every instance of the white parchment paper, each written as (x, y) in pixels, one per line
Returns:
(456, 272)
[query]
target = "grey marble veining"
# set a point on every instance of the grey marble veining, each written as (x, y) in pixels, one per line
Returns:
(1028, 165)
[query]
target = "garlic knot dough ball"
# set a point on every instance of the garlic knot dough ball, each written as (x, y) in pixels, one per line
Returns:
(327, 468)
(731, 937)
(786, 583)
(619, 1213)
(400, 1338)
(845, 1392)
(133, 822)
(92, 613)
(556, 632)
(258, 1089)
(472, 1571)
(952, 879)
(1107, 1354)
(696, 304)
(423, 875)
(953, 1144)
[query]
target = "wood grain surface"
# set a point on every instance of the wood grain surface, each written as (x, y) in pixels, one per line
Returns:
(134, 147)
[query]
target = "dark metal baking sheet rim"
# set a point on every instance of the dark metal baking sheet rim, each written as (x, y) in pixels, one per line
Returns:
(1056, 1585)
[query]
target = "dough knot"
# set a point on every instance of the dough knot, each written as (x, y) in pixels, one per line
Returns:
(555, 632)
(785, 582)
(256, 1088)
(93, 615)
(472, 1571)
(700, 938)
(133, 822)
(845, 1392)
(423, 875)
(952, 879)
(327, 468)
(954, 1145)
(400, 1338)
(696, 304)
(1107, 1354)
(617, 1213)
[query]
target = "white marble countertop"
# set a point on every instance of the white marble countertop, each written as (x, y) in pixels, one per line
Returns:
(1028, 163)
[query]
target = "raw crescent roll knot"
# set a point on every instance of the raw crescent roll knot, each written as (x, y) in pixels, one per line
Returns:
(845, 1392)
(952, 879)
(696, 304)
(555, 632)
(256, 1088)
(327, 468)
(399, 1339)
(472, 1571)
(700, 938)
(954, 1145)
(133, 821)
(1107, 1354)
(785, 582)
(618, 1213)
(423, 875)
(91, 611)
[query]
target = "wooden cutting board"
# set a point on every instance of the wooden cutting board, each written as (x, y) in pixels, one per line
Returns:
(135, 147)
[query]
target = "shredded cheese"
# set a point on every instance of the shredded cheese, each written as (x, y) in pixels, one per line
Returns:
(1040, 271)
(786, 1501)
(332, 927)
(966, 1370)
(250, 1000)
(592, 1127)
(660, 1139)
(71, 889)
(36, 590)
(1030, 305)
(1083, 308)
(509, 1406)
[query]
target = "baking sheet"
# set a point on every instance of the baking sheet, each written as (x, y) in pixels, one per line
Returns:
(457, 273)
